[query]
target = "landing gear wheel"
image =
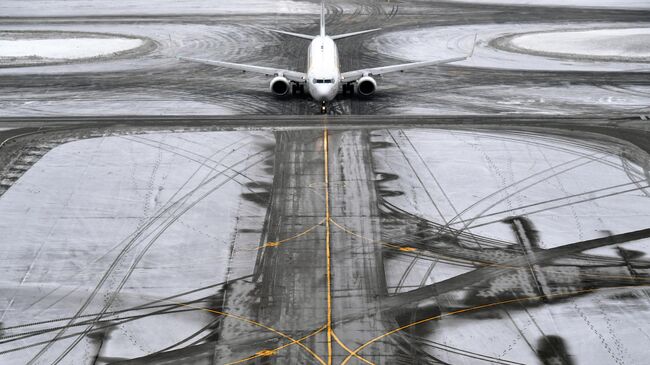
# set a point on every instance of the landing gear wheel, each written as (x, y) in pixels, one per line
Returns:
(348, 89)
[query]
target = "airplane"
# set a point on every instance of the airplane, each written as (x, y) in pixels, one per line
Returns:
(324, 79)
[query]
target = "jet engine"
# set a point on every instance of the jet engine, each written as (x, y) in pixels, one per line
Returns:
(280, 86)
(366, 86)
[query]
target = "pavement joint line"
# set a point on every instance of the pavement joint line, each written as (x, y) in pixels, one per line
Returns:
(272, 352)
(475, 308)
(255, 323)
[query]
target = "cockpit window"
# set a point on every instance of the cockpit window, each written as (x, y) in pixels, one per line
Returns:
(323, 81)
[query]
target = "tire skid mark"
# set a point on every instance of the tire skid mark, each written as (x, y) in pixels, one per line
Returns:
(122, 254)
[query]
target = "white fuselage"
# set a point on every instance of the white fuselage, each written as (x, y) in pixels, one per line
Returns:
(323, 72)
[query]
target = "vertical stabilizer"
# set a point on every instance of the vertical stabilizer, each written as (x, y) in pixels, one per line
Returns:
(322, 19)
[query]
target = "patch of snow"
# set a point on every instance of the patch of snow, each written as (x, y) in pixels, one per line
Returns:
(472, 180)
(102, 102)
(221, 41)
(596, 329)
(453, 41)
(565, 99)
(35, 8)
(571, 189)
(631, 43)
(606, 4)
(170, 197)
(66, 48)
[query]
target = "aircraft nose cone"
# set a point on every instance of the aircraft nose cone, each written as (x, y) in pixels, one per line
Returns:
(318, 95)
(321, 93)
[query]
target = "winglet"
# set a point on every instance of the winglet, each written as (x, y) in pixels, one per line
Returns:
(322, 19)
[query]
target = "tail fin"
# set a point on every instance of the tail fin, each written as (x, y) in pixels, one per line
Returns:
(322, 19)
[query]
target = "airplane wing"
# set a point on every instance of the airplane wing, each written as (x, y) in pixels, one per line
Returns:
(355, 75)
(268, 71)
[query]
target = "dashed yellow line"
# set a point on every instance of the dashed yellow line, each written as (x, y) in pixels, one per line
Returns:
(327, 246)
(471, 309)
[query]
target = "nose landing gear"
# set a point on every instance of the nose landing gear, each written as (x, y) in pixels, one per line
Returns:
(323, 107)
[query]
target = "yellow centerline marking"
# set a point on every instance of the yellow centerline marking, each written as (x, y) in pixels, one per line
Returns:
(328, 221)
(489, 305)
(327, 246)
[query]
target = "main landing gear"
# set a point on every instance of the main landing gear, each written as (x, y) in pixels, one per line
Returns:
(297, 89)
(348, 89)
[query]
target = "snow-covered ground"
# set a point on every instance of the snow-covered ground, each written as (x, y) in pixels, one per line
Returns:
(162, 208)
(491, 48)
(35, 8)
(166, 102)
(66, 48)
(596, 329)
(475, 179)
(565, 99)
(172, 40)
(607, 4)
(205, 41)
(627, 44)
(571, 190)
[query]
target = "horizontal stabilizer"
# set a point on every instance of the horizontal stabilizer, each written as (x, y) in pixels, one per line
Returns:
(298, 35)
(341, 36)
(334, 37)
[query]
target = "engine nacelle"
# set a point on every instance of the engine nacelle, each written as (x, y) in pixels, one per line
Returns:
(280, 86)
(366, 86)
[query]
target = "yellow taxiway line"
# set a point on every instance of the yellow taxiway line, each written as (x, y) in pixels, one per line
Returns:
(278, 243)
(327, 246)
(255, 323)
(271, 352)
